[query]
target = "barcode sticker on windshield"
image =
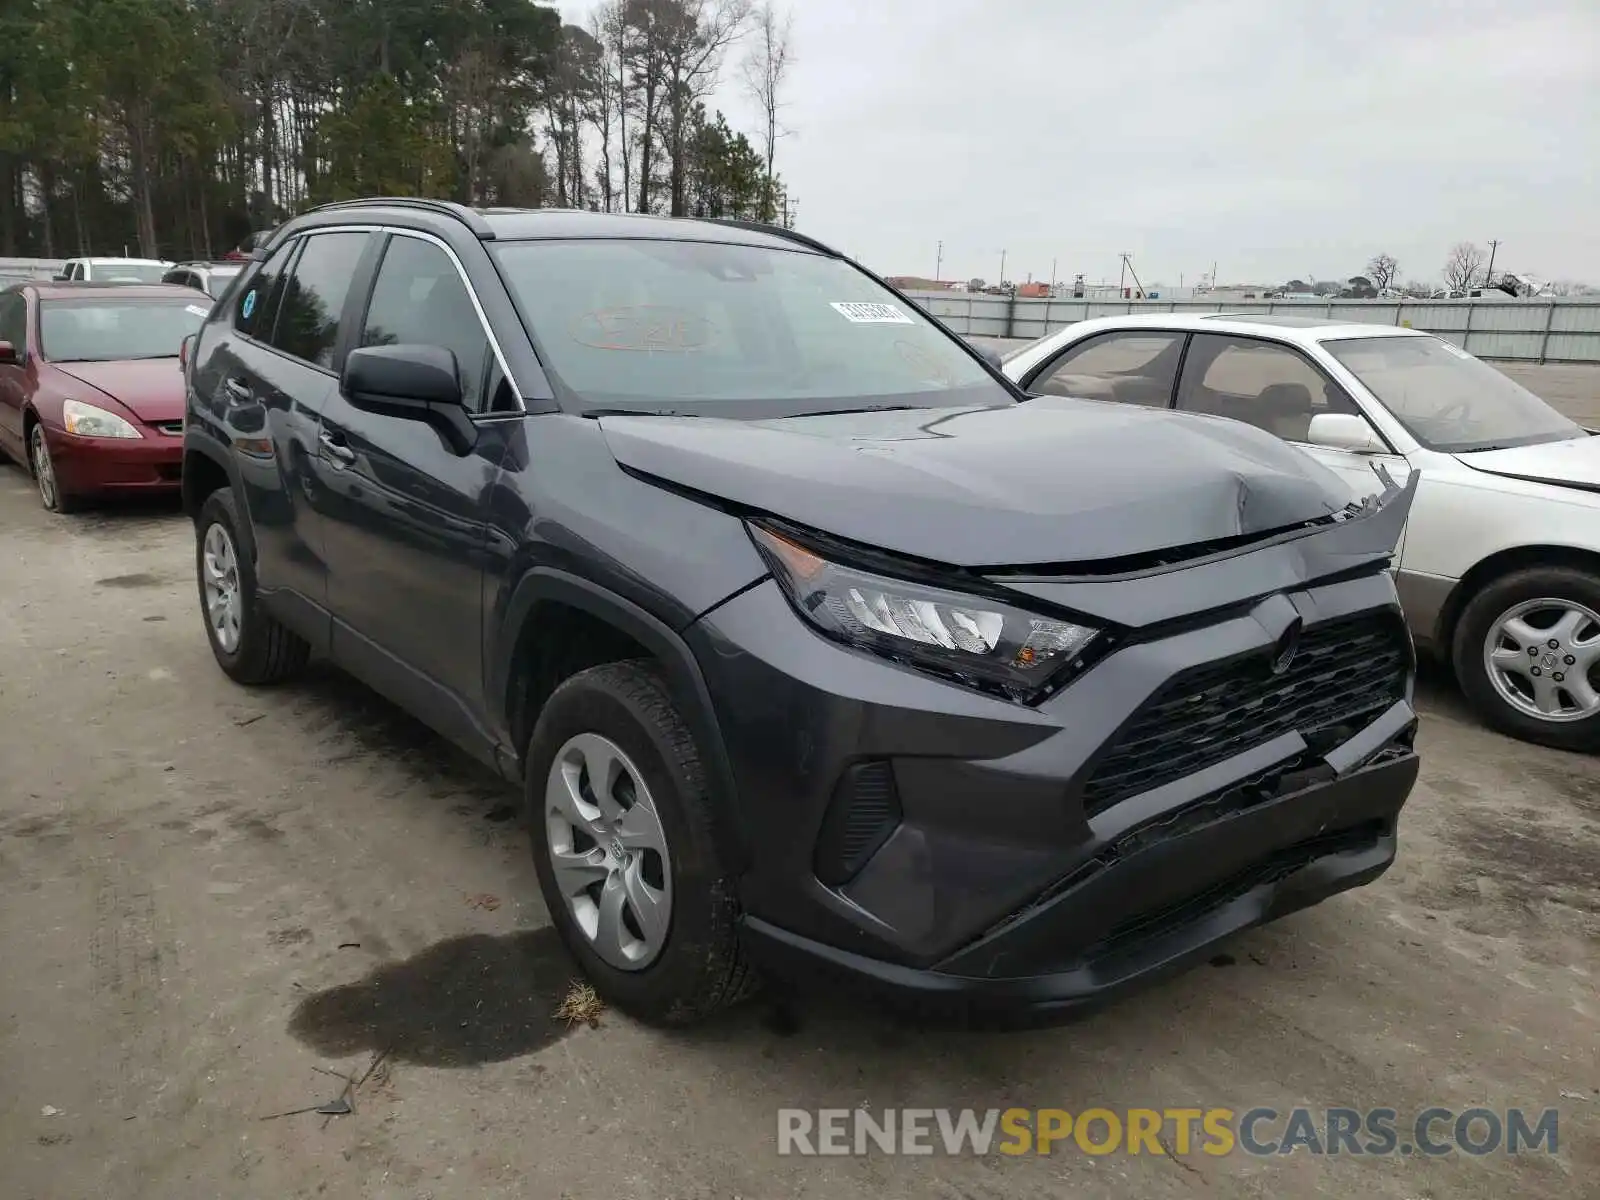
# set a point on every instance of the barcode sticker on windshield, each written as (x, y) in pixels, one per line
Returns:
(196, 310)
(862, 313)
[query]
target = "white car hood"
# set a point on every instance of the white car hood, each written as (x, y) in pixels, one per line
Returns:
(1573, 463)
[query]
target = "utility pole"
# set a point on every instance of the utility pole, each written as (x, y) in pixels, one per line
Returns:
(1052, 276)
(1002, 278)
(1122, 275)
(1488, 278)
(938, 263)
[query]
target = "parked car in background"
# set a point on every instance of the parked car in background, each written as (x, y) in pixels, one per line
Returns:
(91, 397)
(813, 646)
(212, 278)
(1499, 567)
(113, 270)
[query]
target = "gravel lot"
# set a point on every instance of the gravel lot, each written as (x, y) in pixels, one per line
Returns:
(208, 893)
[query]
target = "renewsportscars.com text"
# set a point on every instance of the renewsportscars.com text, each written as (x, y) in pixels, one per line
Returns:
(1215, 1131)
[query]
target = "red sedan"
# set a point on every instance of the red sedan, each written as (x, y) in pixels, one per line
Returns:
(91, 391)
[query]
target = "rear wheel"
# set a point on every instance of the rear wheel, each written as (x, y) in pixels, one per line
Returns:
(621, 823)
(1527, 654)
(248, 642)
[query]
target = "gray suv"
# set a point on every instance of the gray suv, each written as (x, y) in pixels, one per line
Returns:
(814, 645)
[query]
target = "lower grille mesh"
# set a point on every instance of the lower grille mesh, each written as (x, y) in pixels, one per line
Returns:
(1344, 669)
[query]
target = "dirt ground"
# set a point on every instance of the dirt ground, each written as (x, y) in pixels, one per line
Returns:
(210, 896)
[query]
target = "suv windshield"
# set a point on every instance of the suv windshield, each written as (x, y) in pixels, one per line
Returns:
(1447, 399)
(708, 329)
(105, 330)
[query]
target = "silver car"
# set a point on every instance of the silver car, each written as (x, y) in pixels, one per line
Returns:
(1499, 565)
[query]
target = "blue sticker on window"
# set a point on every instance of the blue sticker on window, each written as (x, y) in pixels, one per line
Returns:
(249, 304)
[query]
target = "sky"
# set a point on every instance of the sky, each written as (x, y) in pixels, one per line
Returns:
(1276, 138)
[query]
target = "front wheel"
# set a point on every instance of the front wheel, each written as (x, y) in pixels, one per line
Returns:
(622, 828)
(1527, 654)
(248, 642)
(44, 474)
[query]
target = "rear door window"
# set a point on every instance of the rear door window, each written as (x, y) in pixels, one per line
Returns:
(1128, 366)
(307, 325)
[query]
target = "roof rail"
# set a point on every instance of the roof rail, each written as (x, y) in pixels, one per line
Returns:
(777, 231)
(471, 219)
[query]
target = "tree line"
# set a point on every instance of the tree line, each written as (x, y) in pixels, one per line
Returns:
(175, 128)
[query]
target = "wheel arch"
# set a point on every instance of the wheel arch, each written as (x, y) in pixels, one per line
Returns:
(589, 624)
(1501, 563)
(208, 467)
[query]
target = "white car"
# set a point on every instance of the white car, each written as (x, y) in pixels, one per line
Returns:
(114, 270)
(1499, 566)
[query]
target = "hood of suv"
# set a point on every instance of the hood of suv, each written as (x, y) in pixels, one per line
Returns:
(1574, 462)
(1049, 481)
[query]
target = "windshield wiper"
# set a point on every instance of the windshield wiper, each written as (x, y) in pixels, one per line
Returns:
(634, 412)
(865, 408)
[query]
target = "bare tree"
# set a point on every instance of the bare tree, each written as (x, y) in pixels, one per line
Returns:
(1383, 270)
(765, 68)
(1462, 266)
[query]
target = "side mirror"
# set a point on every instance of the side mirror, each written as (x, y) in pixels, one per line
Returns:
(1344, 431)
(413, 383)
(989, 355)
(8, 354)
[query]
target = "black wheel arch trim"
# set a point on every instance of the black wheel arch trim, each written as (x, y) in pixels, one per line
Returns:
(683, 676)
(208, 446)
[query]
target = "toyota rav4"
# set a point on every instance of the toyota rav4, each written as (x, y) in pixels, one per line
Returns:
(812, 642)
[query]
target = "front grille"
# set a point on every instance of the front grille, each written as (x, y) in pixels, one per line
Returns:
(1344, 669)
(172, 428)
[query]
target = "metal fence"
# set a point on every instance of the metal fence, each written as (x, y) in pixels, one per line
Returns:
(1559, 331)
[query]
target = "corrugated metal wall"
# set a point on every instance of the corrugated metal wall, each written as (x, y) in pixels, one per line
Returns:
(1561, 330)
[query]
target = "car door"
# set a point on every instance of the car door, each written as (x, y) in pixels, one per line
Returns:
(406, 526)
(269, 379)
(13, 376)
(1275, 387)
(1130, 366)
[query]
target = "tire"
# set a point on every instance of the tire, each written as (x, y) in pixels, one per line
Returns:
(1545, 594)
(693, 965)
(42, 467)
(261, 650)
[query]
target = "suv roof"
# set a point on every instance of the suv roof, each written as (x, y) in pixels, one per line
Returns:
(525, 224)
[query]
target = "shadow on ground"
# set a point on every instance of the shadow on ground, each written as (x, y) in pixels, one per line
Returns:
(459, 1003)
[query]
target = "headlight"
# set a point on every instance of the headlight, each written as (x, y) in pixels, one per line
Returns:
(86, 420)
(977, 640)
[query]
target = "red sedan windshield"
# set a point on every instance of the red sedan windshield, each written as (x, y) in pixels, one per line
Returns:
(110, 330)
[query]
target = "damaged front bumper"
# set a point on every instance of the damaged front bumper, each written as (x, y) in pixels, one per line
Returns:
(1243, 751)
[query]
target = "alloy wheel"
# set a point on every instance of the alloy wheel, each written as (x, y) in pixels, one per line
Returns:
(1543, 657)
(44, 471)
(220, 579)
(608, 851)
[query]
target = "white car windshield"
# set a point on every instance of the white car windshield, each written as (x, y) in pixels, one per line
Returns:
(127, 272)
(711, 329)
(1447, 399)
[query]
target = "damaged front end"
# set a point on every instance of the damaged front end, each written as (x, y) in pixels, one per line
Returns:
(1236, 742)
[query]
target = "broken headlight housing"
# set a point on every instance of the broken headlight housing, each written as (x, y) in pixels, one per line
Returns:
(975, 640)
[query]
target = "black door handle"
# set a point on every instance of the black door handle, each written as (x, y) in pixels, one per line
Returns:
(334, 446)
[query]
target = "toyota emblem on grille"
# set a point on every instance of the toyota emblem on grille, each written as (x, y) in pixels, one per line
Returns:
(1288, 643)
